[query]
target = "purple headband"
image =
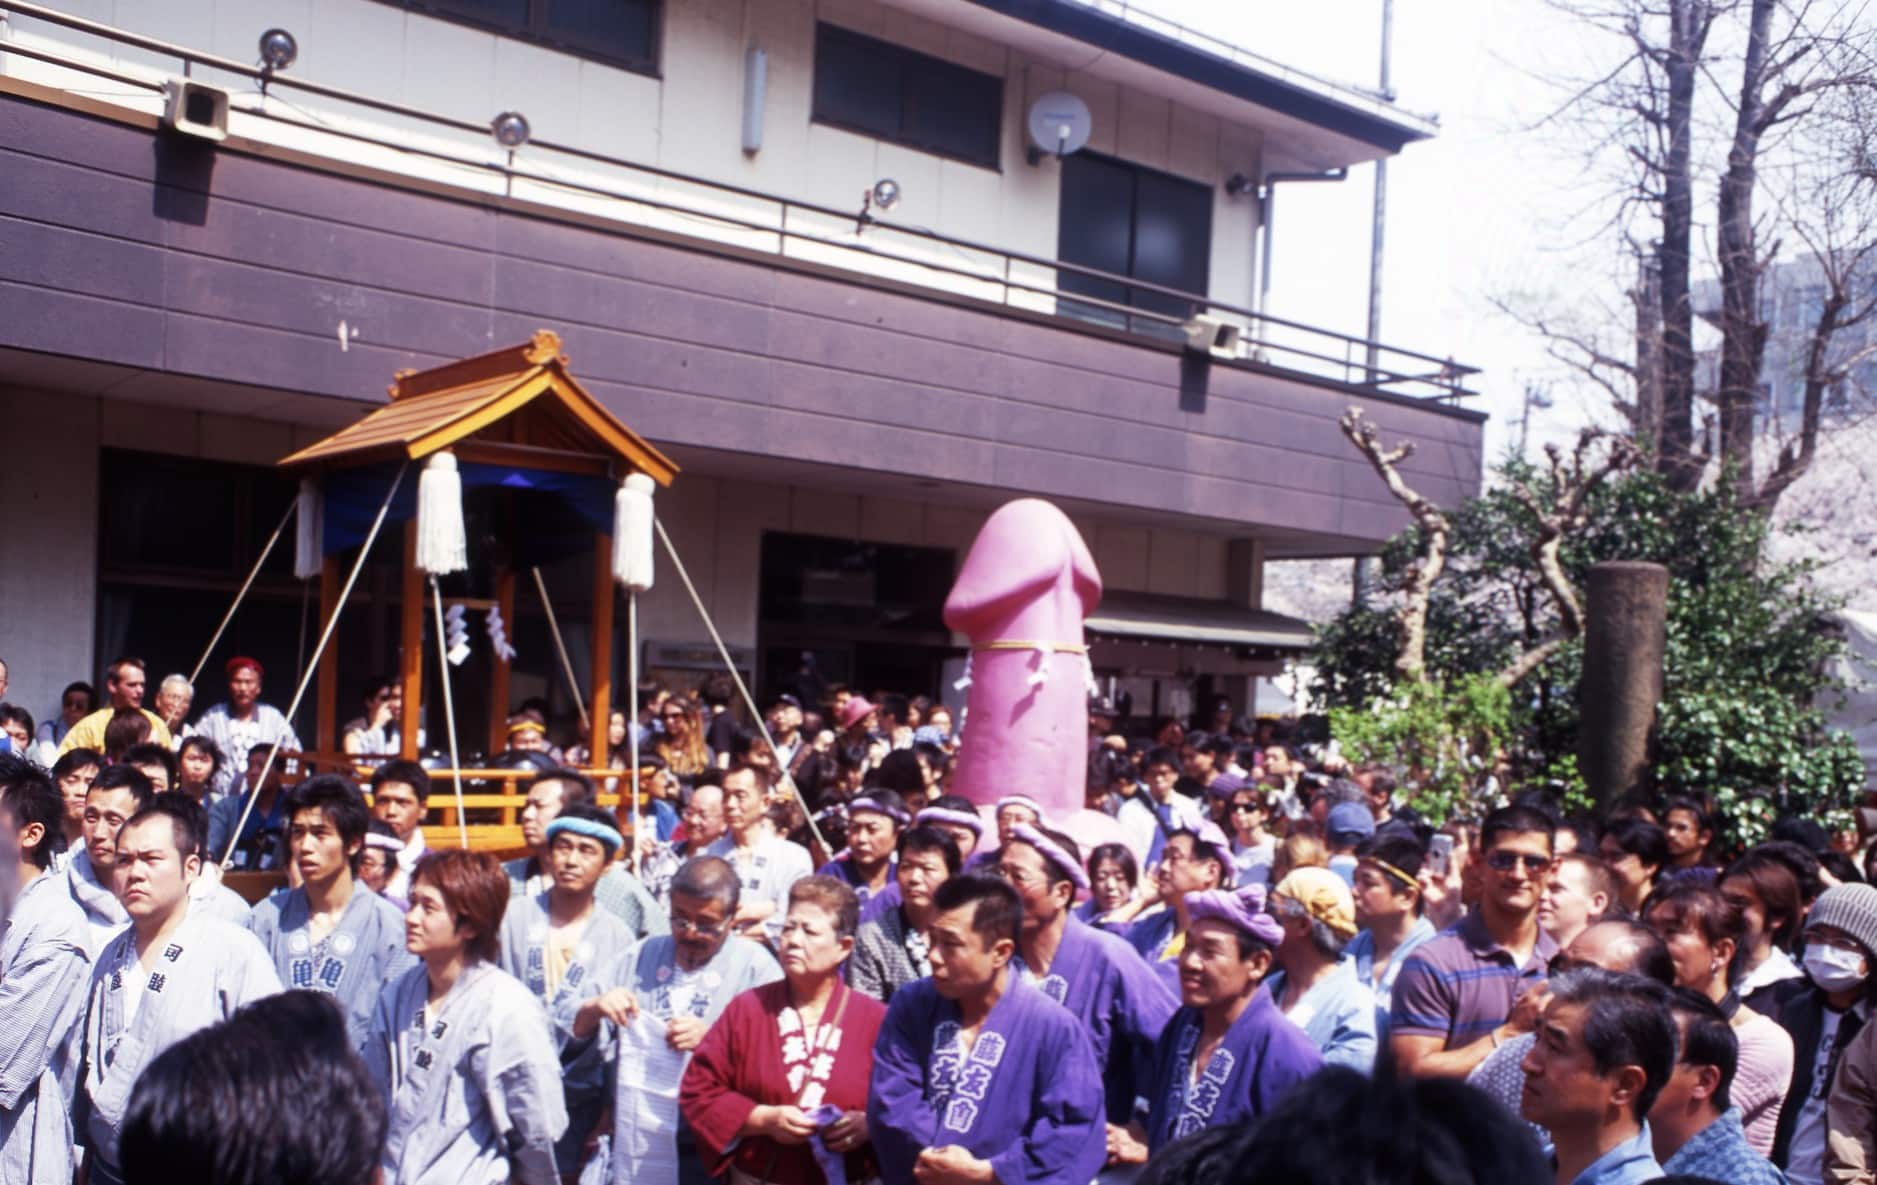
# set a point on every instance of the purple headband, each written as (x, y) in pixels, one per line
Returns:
(1209, 835)
(1023, 800)
(939, 814)
(1052, 852)
(866, 803)
(1242, 909)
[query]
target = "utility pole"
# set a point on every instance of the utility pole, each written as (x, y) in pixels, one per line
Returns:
(1381, 206)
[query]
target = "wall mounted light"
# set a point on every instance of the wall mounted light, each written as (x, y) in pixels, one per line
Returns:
(884, 194)
(510, 129)
(1238, 185)
(278, 50)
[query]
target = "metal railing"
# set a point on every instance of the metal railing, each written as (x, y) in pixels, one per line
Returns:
(797, 229)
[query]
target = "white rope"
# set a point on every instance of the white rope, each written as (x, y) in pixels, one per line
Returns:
(449, 712)
(566, 663)
(632, 721)
(306, 676)
(723, 651)
(242, 595)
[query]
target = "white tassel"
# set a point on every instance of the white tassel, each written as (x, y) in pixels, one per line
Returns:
(1088, 675)
(1039, 678)
(308, 531)
(632, 533)
(442, 544)
(498, 635)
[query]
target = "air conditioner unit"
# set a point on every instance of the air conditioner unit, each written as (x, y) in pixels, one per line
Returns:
(1205, 335)
(195, 109)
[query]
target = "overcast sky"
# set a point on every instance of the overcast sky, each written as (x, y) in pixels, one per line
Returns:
(1486, 208)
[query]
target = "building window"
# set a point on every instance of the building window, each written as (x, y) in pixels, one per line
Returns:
(886, 90)
(1131, 221)
(620, 32)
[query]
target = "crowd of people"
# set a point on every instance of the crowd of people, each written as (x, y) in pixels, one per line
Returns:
(813, 963)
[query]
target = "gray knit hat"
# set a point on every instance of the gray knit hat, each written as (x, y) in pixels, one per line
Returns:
(1851, 908)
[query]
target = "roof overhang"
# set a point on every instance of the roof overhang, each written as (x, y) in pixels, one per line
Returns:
(1144, 618)
(1308, 123)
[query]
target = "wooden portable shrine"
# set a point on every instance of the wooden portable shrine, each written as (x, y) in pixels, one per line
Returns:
(515, 418)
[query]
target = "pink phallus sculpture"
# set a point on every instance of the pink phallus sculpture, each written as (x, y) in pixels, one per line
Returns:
(1026, 586)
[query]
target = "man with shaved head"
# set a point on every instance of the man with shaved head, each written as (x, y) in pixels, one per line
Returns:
(1619, 944)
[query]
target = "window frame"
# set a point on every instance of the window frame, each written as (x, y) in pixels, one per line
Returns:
(1130, 322)
(534, 33)
(903, 53)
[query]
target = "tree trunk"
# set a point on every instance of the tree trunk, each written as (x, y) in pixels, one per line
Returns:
(1676, 459)
(1647, 423)
(1743, 333)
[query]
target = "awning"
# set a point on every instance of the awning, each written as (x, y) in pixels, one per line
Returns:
(1139, 617)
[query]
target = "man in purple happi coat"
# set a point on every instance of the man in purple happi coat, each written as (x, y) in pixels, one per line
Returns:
(1097, 976)
(1249, 1055)
(979, 1077)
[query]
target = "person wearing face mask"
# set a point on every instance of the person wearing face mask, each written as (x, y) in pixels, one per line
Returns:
(1840, 934)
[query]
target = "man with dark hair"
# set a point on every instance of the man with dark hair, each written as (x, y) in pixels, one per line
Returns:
(176, 970)
(767, 863)
(117, 793)
(1193, 861)
(1695, 1127)
(720, 724)
(618, 892)
(1103, 982)
(1605, 1049)
(400, 793)
(660, 998)
(124, 683)
(1636, 851)
(874, 820)
(193, 1114)
(157, 762)
(1689, 830)
(43, 971)
(557, 940)
(1463, 993)
(262, 829)
(331, 934)
(977, 1075)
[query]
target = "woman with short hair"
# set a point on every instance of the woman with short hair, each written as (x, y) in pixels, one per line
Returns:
(462, 1049)
(781, 1079)
(197, 762)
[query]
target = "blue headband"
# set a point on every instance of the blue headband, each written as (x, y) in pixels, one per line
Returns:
(939, 814)
(608, 837)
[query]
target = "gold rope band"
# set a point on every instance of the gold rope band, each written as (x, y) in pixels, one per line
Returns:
(1058, 647)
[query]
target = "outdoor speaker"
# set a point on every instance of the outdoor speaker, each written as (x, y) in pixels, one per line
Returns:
(195, 110)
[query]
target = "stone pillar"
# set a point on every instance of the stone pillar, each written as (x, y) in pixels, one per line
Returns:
(1625, 637)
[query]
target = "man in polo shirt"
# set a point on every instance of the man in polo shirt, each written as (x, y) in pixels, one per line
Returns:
(1461, 994)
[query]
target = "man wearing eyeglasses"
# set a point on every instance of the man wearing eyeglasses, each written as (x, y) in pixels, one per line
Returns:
(1461, 995)
(661, 998)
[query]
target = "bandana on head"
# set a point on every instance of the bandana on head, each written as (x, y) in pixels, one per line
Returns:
(1242, 909)
(389, 843)
(1052, 852)
(1022, 800)
(609, 838)
(868, 803)
(939, 814)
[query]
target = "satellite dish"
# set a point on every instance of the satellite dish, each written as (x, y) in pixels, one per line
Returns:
(1059, 124)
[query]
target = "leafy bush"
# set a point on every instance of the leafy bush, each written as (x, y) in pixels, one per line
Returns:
(1748, 642)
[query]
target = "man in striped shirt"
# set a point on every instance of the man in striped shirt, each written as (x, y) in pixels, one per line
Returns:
(1462, 993)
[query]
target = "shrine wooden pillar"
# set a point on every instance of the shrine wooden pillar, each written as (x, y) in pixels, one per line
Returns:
(605, 598)
(411, 646)
(326, 706)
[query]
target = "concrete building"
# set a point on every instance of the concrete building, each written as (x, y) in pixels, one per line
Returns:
(850, 383)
